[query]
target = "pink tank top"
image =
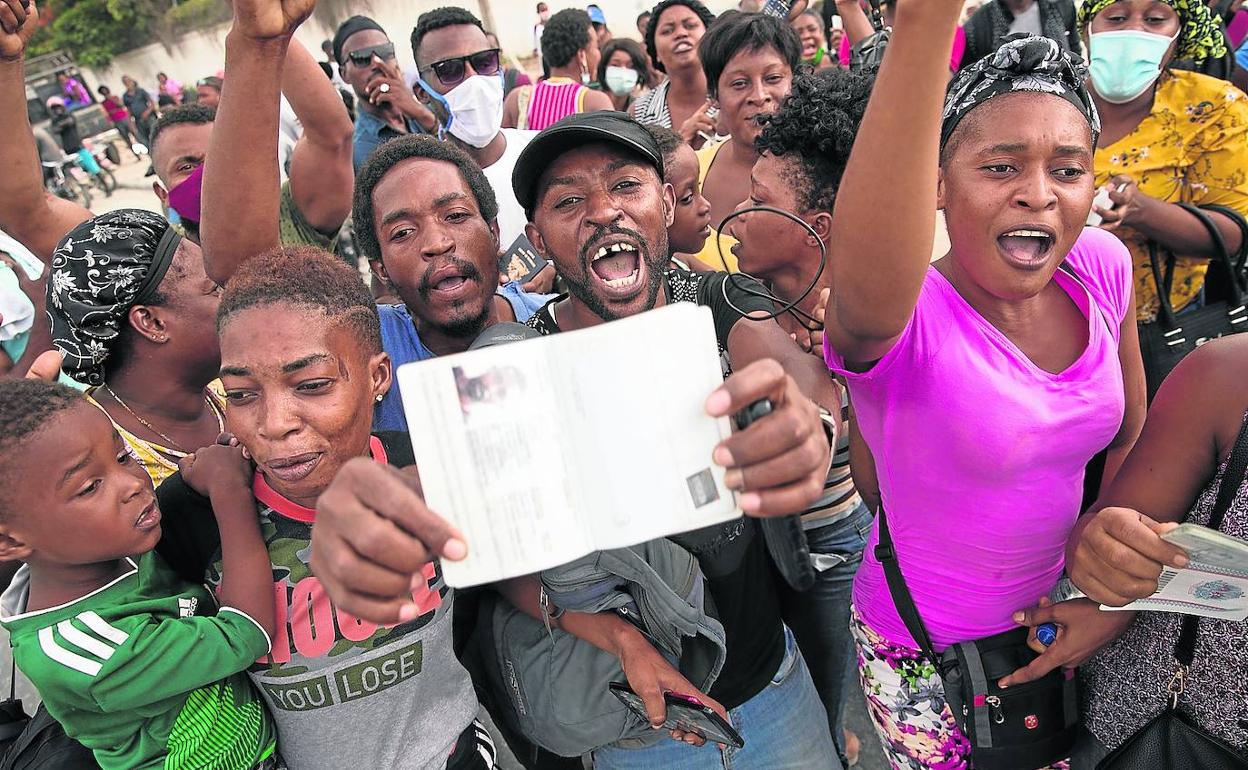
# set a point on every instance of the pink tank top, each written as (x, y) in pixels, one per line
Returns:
(980, 453)
(552, 101)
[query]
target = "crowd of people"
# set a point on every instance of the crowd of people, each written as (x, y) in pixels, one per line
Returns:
(213, 533)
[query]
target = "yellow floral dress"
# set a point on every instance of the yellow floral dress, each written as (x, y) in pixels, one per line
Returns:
(1192, 148)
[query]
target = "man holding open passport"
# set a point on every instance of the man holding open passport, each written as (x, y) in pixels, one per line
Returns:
(593, 188)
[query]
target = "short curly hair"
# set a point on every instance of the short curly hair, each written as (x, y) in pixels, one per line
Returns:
(816, 126)
(305, 277)
(395, 151)
(668, 140)
(736, 33)
(26, 408)
(186, 114)
(656, 13)
(446, 16)
(566, 33)
(638, 56)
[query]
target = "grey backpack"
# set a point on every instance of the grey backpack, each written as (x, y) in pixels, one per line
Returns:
(553, 686)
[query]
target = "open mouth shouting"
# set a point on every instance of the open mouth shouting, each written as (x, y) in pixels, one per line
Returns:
(618, 267)
(1029, 247)
(452, 281)
(682, 46)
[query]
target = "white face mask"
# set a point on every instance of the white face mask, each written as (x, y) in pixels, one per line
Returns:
(476, 107)
(621, 80)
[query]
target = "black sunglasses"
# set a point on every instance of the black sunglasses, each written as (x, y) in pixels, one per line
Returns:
(451, 72)
(361, 57)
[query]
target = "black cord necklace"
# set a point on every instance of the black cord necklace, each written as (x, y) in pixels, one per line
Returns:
(809, 322)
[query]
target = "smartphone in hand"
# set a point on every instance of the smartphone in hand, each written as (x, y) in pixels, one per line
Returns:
(684, 713)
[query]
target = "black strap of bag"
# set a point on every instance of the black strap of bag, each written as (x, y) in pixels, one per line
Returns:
(886, 555)
(1231, 263)
(1232, 480)
(1165, 341)
(13, 717)
(1172, 740)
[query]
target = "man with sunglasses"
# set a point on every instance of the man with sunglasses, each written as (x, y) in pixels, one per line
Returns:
(461, 81)
(386, 106)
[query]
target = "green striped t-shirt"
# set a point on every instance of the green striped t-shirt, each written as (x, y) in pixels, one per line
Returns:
(146, 671)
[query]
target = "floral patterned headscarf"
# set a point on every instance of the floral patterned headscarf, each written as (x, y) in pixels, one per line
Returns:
(1200, 36)
(1023, 63)
(101, 269)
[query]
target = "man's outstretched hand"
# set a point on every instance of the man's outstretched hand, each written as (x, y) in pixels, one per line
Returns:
(373, 537)
(780, 462)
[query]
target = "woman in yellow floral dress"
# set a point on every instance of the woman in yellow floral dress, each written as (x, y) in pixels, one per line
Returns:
(1169, 137)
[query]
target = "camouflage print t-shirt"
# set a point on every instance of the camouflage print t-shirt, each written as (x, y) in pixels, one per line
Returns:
(345, 692)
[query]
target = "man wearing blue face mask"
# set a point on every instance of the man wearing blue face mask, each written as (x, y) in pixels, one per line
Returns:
(461, 81)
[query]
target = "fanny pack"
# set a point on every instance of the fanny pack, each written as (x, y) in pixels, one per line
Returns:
(1021, 728)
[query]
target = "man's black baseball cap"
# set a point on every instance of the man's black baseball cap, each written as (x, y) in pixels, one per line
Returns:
(574, 131)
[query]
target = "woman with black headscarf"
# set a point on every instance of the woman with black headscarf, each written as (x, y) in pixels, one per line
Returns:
(985, 382)
(133, 316)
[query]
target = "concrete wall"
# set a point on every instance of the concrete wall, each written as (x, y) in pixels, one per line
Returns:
(202, 53)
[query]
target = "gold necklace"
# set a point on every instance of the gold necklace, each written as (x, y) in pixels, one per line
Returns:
(171, 443)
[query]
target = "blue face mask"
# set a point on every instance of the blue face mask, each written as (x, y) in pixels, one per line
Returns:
(1126, 63)
(450, 114)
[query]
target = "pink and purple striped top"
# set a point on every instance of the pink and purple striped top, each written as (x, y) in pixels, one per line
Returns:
(553, 100)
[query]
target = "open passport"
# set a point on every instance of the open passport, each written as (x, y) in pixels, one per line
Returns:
(1213, 585)
(545, 450)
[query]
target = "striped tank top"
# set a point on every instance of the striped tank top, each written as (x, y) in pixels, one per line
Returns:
(553, 100)
(840, 496)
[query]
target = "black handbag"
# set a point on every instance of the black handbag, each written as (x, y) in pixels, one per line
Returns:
(1171, 740)
(43, 745)
(1165, 341)
(1020, 728)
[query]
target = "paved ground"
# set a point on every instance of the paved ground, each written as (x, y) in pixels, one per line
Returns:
(133, 189)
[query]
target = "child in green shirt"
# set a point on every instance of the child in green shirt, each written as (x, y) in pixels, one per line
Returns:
(139, 666)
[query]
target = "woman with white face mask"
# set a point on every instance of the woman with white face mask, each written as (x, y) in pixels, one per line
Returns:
(1170, 136)
(624, 72)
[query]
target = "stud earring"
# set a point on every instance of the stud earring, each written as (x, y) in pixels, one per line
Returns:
(379, 398)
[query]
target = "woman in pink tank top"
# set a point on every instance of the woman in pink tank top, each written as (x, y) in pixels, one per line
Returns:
(983, 383)
(570, 49)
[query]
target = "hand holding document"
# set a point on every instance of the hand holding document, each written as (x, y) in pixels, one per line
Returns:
(1213, 585)
(545, 450)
